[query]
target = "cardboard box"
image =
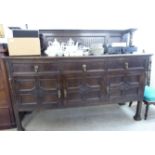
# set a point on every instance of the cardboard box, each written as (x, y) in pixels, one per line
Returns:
(24, 46)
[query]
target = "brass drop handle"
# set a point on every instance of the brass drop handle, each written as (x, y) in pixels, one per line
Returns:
(84, 67)
(59, 94)
(126, 65)
(65, 93)
(36, 67)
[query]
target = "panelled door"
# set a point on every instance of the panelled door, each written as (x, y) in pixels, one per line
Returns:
(125, 79)
(37, 83)
(83, 82)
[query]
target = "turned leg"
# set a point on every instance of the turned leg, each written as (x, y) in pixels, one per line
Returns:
(130, 104)
(18, 121)
(146, 110)
(137, 116)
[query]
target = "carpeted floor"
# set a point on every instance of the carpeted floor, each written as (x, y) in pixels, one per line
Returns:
(92, 118)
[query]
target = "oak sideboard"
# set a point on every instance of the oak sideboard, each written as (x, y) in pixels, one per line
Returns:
(39, 82)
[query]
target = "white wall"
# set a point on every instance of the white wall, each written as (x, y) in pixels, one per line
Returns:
(83, 14)
(73, 13)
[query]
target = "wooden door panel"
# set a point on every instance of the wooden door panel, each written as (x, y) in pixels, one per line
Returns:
(27, 84)
(49, 83)
(125, 86)
(123, 92)
(72, 86)
(97, 88)
(50, 98)
(94, 96)
(73, 98)
(50, 89)
(84, 88)
(26, 99)
(25, 90)
(93, 80)
(34, 90)
(73, 82)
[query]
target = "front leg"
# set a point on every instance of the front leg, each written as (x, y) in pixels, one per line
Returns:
(137, 116)
(18, 121)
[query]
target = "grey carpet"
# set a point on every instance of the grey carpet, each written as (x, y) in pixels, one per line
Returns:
(92, 118)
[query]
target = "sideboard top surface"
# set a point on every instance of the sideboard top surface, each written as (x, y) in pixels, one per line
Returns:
(77, 57)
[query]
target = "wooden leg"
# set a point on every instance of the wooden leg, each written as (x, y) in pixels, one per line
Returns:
(137, 116)
(146, 110)
(130, 104)
(18, 121)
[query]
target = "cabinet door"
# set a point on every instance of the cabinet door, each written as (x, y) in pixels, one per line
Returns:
(95, 85)
(83, 82)
(83, 89)
(126, 79)
(124, 87)
(36, 82)
(38, 90)
(25, 90)
(50, 92)
(72, 89)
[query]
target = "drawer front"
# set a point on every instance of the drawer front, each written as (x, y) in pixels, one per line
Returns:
(83, 66)
(126, 64)
(34, 67)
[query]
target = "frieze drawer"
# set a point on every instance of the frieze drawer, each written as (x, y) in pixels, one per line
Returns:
(34, 67)
(83, 66)
(126, 64)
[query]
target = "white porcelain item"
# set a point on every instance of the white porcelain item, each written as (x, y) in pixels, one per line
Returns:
(54, 48)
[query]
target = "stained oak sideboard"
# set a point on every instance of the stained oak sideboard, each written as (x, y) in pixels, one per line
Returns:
(60, 82)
